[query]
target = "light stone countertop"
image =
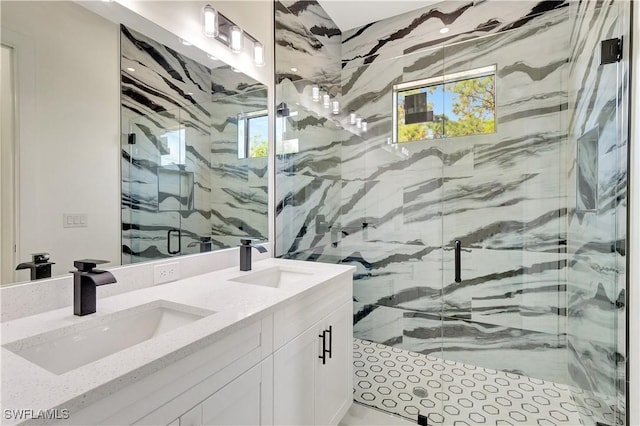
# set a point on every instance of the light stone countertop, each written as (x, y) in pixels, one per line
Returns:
(26, 385)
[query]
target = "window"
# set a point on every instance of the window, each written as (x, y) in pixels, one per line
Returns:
(253, 134)
(459, 104)
(173, 149)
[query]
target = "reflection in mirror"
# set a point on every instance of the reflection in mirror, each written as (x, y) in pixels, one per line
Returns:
(127, 166)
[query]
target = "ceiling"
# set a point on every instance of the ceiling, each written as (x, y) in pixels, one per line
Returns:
(349, 14)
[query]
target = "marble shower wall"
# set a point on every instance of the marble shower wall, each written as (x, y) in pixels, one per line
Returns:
(309, 177)
(499, 193)
(183, 172)
(597, 239)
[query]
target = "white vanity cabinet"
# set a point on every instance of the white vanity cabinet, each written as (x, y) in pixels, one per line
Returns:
(308, 390)
(265, 372)
(312, 373)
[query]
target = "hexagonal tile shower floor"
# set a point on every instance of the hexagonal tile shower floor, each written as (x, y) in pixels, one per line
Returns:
(447, 392)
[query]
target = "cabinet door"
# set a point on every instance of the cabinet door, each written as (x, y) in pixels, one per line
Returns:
(334, 382)
(293, 370)
(244, 401)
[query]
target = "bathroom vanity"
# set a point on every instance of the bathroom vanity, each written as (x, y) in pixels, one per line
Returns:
(267, 346)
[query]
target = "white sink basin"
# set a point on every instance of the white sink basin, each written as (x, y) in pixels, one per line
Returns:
(276, 277)
(68, 348)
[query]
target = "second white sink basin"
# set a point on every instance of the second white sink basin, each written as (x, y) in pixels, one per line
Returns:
(66, 349)
(276, 276)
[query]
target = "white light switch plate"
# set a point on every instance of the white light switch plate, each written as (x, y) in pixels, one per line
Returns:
(75, 220)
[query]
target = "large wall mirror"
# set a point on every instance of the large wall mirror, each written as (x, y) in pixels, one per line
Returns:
(121, 143)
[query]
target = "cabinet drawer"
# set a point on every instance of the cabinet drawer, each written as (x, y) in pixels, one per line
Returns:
(304, 312)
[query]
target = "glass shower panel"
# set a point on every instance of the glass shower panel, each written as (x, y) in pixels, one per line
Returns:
(192, 172)
(239, 162)
(597, 176)
(504, 221)
(309, 145)
(157, 154)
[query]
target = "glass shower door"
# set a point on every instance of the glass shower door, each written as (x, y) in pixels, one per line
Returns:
(504, 225)
(157, 190)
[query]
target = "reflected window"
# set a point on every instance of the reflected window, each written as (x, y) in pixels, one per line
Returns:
(172, 147)
(253, 134)
(457, 104)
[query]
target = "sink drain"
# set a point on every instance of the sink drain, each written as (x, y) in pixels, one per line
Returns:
(420, 392)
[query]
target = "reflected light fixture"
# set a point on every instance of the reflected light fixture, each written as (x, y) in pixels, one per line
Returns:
(213, 58)
(335, 107)
(258, 53)
(315, 93)
(131, 69)
(185, 42)
(352, 117)
(444, 30)
(209, 21)
(326, 100)
(235, 44)
(363, 125)
(359, 123)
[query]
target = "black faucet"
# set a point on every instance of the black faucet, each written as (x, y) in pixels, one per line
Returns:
(245, 253)
(39, 265)
(85, 281)
(204, 243)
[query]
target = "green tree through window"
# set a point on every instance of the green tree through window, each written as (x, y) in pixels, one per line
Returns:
(459, 107)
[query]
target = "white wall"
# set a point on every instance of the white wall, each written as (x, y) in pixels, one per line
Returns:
(634, 231)
(69, 144)
(7, 224)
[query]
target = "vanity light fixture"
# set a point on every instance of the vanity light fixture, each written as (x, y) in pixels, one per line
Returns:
(444, 30)
(363, 125)
(359, 123)
(218, 26)
(315, 93)
(326, 100)
(209, 21)
(335, 107)
(258, 53)
(352, 118)
(235, 42)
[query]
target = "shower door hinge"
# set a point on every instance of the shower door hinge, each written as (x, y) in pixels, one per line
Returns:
(610, 51)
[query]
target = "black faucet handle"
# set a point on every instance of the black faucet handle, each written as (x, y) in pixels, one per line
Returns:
(87, 265)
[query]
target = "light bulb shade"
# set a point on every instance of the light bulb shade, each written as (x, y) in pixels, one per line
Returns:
(335, 107)
(326, 100)
(315, 93)
(363, 125)
(352, 118)
(235, 39)
(258, 54)
(359, 123)
(209, 21)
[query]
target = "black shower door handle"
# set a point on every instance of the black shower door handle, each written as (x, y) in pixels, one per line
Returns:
(169, 241)
(457, 244)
